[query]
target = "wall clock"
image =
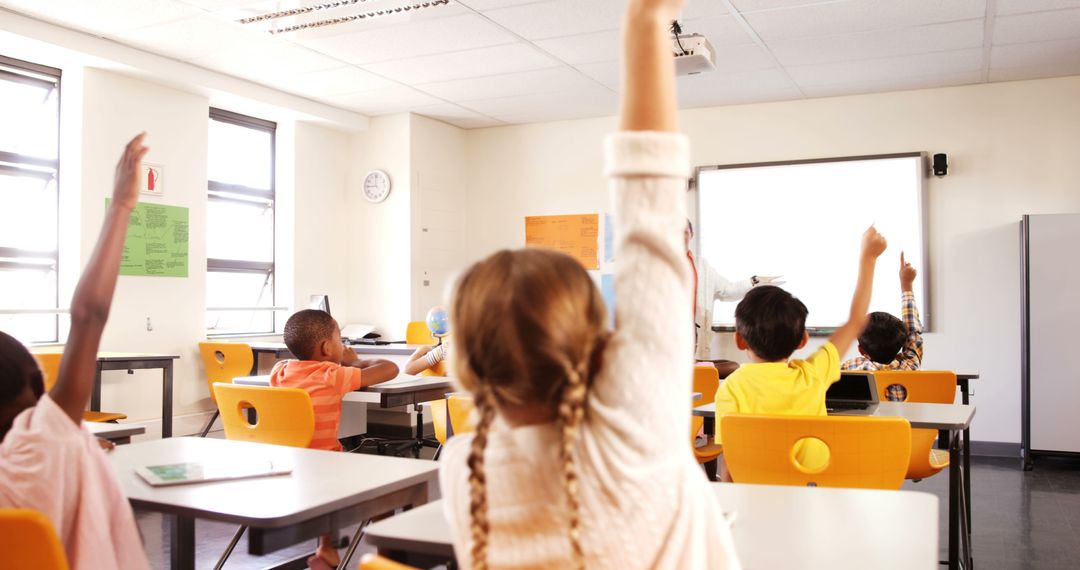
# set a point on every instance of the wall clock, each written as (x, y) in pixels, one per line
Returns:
(376, 186)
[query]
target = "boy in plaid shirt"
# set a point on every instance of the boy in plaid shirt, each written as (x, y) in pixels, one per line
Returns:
(887, 343)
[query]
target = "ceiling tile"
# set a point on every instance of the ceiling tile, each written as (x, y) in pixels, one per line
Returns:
(714, 89)
(412, 40)
(365, 24)
(494, 86)
(1042, 55)
(758, 5)
(278, 58)
(463, 64)
(1040, 26)
(584, 48)
(881, 43)
(218, 5)
(383, 101)
(328, 82)
(859, 16)
(456, 115)
(104, 16)
(1034, 72)
(193, 38)
(1006, 7)
(594, 100)
(559, 18)
(884, 69)
(483, 5)
(606, 72)
(703, 9)
(720, 31)
(896, 84)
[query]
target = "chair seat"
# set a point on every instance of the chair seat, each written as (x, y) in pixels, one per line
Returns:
(711, 450)
(103, 417)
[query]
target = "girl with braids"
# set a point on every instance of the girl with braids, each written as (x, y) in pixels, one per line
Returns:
(579, 457)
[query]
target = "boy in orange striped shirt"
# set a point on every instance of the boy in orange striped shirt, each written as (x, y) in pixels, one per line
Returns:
(326, 370)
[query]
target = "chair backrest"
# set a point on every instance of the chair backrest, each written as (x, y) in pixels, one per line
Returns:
(862, 452)
(706, 381)
(285, 415)
(28, 540)
(923, 386)
(224, 361)
(460, 407)
(50, 367)
(438, 419)
(417, 332)
(376, 562)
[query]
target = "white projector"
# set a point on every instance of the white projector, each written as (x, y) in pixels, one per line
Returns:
(693, 55)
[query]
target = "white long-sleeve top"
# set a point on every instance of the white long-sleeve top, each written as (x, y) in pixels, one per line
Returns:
(712, 287)
(644, 500)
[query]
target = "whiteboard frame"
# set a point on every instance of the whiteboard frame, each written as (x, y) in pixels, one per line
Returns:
(925, 305)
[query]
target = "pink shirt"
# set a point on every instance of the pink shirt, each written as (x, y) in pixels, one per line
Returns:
(51, 465)
(326, 383)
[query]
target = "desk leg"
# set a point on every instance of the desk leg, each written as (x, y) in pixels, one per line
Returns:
(182, 547)
(419, 429)
(95, 392)
(166, 399)
(957, 514)
(711, 467)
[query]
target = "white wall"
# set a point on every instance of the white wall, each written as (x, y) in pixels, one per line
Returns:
(1012, 150)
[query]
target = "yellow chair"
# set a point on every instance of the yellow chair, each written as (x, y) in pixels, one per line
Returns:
(285, 415)
(867, 453)
(50, 369)
(417, 332)
(438, 421)
(706, 382)
(223, 362)
(28, 540)
(923, 386)
(460, 407)
(376, 562)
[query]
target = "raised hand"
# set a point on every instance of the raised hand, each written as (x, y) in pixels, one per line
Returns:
(128, 172)
(907, 274)
(873, 244)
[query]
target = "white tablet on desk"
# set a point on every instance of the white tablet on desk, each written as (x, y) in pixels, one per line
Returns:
(203, 472)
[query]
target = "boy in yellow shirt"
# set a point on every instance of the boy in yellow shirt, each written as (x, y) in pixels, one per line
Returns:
(770, 324)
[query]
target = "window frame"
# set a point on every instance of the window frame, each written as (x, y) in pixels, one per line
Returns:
(18, 165)
(214, 192)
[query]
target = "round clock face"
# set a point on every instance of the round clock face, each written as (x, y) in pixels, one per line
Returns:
(376, 186)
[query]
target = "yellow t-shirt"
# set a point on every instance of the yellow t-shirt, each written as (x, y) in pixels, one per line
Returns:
(796, 387)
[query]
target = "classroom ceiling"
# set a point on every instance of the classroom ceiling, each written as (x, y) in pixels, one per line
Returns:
(479, 63)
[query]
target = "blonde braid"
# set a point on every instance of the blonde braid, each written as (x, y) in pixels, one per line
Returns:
(571, 410)
(478, 479)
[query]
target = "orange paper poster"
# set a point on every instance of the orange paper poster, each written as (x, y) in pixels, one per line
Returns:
(575, 235)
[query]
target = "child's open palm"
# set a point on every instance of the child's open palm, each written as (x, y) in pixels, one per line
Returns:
(128, 171)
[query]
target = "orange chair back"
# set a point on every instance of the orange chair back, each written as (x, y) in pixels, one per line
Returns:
(224, 361)
(460, 407)
(28, 540)
(438, 419)
(863, 452)
(376, 562)
(417, 332)
(921, 386)
(706, 382)
(285, 415)
(50, 367)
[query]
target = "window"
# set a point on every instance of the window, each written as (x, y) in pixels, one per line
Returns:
(29, 201)
(804, 220)
(240, 225)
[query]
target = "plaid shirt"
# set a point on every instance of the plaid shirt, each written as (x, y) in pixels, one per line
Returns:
(910, 357)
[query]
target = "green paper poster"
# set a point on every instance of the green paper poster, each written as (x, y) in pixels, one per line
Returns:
(157, 241)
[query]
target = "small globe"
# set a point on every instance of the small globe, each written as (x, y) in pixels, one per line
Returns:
(438, 321)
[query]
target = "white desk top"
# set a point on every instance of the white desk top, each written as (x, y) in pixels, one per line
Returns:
(322, 482)
(774, 527)
(402, 384)
(368, 349)
(106, 430)
(925, 416)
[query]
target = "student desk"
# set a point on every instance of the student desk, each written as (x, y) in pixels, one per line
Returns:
(952, 418)
(116, 433)
(136, 361)
(862, 528)
(325, 492)
(280, 351)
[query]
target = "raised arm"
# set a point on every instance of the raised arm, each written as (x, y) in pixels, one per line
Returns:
(911, 355)
(648, 94)
(376, 371)
(873, 245)
(93, 296)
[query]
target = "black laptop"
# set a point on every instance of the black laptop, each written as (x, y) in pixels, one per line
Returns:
(855, 392)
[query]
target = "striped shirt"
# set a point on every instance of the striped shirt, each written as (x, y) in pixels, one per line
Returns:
(326, 383)
(910, 357)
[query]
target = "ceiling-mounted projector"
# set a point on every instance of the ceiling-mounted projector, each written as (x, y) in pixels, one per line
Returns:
(693, 54)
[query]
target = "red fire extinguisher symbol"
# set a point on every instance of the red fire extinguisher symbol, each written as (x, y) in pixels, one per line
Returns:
(150, 179)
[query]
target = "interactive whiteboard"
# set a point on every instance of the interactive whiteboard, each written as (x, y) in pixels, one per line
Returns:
(804, 220)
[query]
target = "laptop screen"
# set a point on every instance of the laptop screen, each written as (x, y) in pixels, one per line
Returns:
(851, 387)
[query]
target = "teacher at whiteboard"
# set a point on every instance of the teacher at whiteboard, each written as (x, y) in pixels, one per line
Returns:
(710, 286)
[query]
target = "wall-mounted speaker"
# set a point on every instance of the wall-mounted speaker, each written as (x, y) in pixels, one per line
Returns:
(941, 165)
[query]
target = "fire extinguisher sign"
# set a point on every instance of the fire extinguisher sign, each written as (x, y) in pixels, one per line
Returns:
(153, 179)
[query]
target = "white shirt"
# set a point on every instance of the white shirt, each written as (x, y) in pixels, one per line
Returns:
(644, 500)
(712, 287)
